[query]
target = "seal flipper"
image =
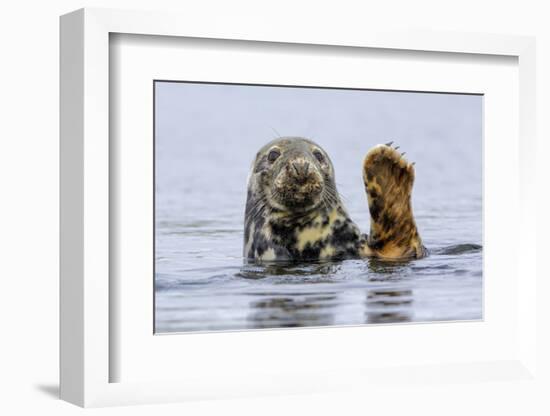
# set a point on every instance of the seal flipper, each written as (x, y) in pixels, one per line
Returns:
(388, 179)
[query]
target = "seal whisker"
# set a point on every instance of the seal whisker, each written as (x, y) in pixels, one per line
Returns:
(275, 131)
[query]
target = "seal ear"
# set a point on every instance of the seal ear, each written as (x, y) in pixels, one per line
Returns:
(388, 180)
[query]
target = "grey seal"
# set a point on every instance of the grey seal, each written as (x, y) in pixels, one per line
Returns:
(294, 212)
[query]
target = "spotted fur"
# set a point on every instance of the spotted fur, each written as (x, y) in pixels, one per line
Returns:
(388, 180)
(294, 213)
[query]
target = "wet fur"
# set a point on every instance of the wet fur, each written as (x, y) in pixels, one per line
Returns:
(388, 180)
(278, 233)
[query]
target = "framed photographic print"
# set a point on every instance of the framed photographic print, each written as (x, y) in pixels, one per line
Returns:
(256, 212)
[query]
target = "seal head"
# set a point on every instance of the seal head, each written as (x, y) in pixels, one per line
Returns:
(293, 211)
(294, 175)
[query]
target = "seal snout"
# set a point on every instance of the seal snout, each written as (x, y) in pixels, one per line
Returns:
(299, 183)
(299, 171)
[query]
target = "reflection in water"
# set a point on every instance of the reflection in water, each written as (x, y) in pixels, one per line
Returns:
(295, 311)
(386, 306)
(292, 308)
(299, 310)
(386, 269)
(389, 304)
(267, 269)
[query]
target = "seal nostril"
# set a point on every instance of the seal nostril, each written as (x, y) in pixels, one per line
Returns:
(301, 168)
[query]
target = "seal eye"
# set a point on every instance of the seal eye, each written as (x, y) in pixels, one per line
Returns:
(319, 156)
(273, 155)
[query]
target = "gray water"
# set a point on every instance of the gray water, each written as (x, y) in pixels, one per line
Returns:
(206, 137)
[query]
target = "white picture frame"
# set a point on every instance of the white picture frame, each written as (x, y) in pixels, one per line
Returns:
(86, 302)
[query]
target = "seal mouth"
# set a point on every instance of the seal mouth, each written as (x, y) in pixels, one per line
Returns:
(298, 186)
